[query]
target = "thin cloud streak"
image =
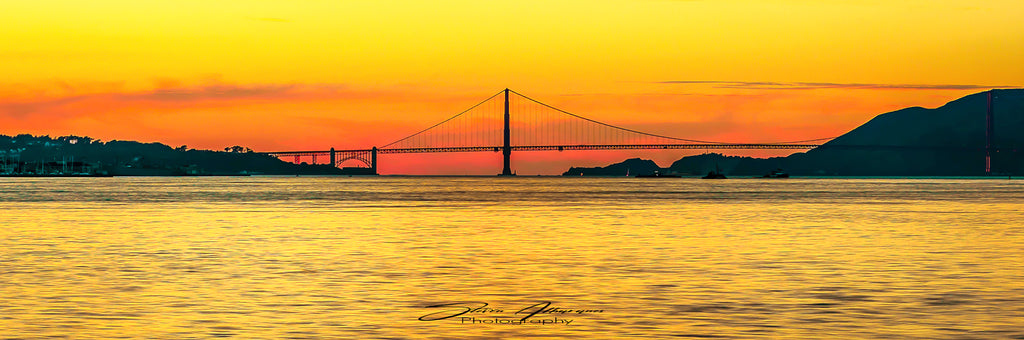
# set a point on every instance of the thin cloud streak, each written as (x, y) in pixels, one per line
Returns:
(168, 97)
(213, 92)
(761, 85)
(181, 95)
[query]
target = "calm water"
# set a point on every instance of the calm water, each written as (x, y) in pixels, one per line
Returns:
(309, 257)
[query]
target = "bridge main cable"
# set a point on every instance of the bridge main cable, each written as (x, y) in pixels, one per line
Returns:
(613, 126)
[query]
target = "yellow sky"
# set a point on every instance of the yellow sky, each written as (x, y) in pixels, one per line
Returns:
(383, 61)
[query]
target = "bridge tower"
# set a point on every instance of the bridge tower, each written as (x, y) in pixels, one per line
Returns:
(373, 160)
(990, 134)
(506, 150)
(334, 159)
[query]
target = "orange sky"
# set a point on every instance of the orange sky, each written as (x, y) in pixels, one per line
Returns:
(312, 74)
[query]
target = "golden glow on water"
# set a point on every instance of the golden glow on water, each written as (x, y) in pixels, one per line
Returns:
(266, 257)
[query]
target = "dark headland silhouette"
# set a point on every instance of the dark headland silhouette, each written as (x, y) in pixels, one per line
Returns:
(946, 141)
(26, 154)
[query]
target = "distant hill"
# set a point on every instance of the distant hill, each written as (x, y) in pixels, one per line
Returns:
(632, 167)
(946, 141)
(142, 159)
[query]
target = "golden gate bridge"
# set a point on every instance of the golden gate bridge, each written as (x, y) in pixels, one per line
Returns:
(521, 123)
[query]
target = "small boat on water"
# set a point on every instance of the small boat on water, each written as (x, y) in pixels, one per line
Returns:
(658, 175)
(777, 173)
(716, 174)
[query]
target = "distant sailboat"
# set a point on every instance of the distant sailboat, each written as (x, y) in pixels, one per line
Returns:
(716, 174)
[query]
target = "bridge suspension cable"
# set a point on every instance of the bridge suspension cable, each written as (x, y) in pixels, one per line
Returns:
(613, 126)
(534, 124)
(443, 121)
(806, 140)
